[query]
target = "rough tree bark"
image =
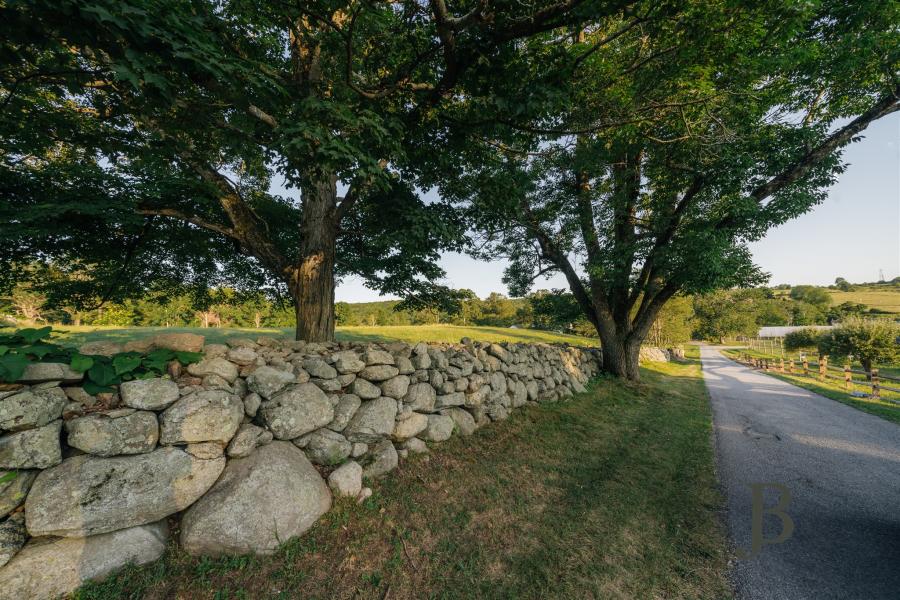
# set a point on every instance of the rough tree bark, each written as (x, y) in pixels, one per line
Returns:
(312, 278)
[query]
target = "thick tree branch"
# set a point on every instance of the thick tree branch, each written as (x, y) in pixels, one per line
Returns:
(194, 219)
(887, 105)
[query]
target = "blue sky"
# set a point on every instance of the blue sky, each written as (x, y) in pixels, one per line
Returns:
(853, 234)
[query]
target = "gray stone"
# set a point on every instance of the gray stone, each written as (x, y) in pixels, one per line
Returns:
(242, 355)
(498, 351)
(359, 448)
(268, 381)
(440, 428)
(421, 361)
(40, 372)
(31, 449)
(317, 367)
(348, 362)
(13, 492)
(420, 397)
(31, 409)
(88, 495)
(379, 372)
(251, 404)
(325, 447)
(100, 348)
(259, 503)
(108, 435)
(247, 438)
(327, 385)
(464, 421)
(395, 387)
(344, 410)
(384, 459)
(205, 450)
(297, 410)
(451, 399)
(409, 427)
(416, 446)
(12, 537)
(346, 379)
(214, 366)
(365, 389)
(180, 342)
(77, 394)
(346, 480)
(404, 365)
(54, 567)
(149, 394)
(373, 356)
(215, 350)
(373, 420)
(207, 416)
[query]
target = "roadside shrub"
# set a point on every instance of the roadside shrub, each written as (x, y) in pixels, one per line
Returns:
(802, 338)
(870, 341)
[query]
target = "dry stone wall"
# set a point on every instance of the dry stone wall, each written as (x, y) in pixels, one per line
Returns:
(246, 447)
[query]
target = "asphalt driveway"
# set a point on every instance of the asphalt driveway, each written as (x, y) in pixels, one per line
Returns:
(835, 472)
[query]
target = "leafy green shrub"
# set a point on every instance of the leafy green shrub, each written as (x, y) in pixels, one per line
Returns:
(870, 341)
(802, 338)
(27, 346)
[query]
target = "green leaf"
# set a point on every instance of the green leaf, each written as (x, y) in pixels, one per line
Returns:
(31, 335)
(38, 350)
(12, 366)
(124, 364)
(187, 358)
(102, 374)
(81, 363)
(4, 350)
(93, 388)
(7, 477)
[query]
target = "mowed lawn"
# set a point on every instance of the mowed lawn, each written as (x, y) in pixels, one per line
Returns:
(609, 495)
(887, 300)
(388, 333)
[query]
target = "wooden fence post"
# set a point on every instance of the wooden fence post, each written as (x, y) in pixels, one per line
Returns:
(847, 376)
(791, 366)
(876, 391)
(805, 366)
(781, 365)
(821, 368)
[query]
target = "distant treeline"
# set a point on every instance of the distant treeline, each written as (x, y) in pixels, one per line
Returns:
(716, 315)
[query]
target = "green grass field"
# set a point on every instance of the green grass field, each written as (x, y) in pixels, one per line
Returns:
(610, 495)
(887, 407)
(887, 300)
(411, 334)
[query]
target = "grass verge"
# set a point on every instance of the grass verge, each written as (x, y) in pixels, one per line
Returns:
(609, 495)
(834, 390)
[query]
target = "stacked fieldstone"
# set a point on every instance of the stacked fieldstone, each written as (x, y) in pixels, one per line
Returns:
(247, 445)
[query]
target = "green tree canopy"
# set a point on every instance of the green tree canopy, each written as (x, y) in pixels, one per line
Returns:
(679, 133)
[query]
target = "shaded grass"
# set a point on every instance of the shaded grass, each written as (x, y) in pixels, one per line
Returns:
(834, 390)
(610, 495)
(413, 334)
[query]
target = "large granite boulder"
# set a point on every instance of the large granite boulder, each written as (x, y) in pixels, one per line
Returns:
(373, 420)
(260, 502)
(41, 372)
(395, 387)
(32, 408)
(206, 416)
(122, 431)
(54, 567)
(420, 397)
(149, 394)
(180, 342)
(31, 449)
(88, 495)
(440, 428)
(409, 425)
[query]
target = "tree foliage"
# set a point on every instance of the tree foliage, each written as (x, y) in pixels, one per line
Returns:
(870, 341)
(686, 131)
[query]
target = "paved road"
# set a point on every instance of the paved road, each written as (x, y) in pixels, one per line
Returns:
(842, 469)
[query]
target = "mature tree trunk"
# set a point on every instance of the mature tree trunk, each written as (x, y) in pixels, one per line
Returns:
(620, 353)
(312, 279)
